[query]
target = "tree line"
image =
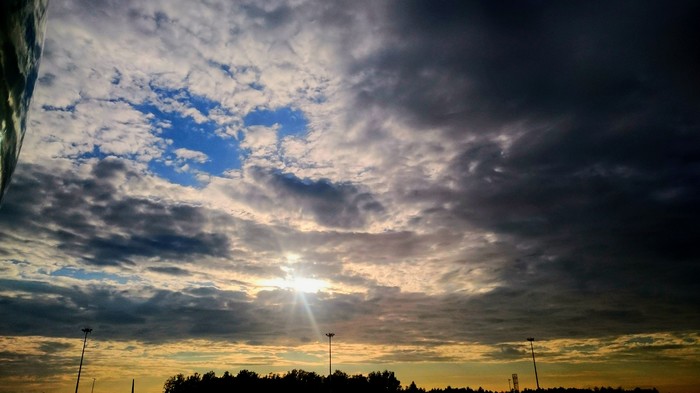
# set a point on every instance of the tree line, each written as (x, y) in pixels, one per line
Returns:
(293, 381)
(298, 381)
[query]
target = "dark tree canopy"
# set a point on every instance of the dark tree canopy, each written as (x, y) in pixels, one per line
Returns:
(310, 382)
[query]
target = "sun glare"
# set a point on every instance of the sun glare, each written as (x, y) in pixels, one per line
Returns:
(298, 284)
(307, 285)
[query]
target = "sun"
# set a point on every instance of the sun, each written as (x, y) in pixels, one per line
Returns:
(306, 285)
(297, 284)
(295, 279)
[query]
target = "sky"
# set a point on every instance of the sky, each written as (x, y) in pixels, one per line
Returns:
(214, 185)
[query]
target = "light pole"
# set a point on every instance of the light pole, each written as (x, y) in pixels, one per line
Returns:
(330, 361)
(531, 339)
(86, 331)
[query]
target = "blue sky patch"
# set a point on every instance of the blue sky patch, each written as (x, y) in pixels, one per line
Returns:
(255, 86)
(50, 108)
(173, 174)
(95, 153)
(291, 121)
(81, 274)
(185, 133)
(183, 96)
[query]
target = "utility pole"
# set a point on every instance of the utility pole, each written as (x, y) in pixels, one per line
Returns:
(531, 339)
(86, 331)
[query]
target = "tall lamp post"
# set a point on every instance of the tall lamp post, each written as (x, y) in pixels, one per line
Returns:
(86, 331)
(532, 349)
(330, 362)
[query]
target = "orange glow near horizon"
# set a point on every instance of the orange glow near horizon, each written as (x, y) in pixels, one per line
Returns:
(114, 363)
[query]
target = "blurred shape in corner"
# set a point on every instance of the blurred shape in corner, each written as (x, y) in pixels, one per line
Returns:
(22, 26)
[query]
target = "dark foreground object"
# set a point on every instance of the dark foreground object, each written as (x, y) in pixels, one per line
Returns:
(340, 382)
(22, 25)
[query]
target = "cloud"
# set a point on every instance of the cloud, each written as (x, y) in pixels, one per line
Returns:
(332, 205)
(558, 153)
(90, 220)
(170, 270)
(187, 154)
(261, 141)
(468, 175)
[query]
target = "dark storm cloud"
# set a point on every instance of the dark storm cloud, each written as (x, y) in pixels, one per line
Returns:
(162, 316)
(551, 310)
(579, 131)
(92, 221)
(166, 316)
(335, 205)
(471, 65)
(171, 270)
(167, 245)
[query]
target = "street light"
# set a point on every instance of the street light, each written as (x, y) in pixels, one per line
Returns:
(330, 362)
(531, 339)
(86, 331)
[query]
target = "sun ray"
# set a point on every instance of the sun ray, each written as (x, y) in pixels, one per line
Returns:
(312, 319)
(300, 286)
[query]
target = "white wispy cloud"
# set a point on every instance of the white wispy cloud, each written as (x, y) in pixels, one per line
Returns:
(187, 154)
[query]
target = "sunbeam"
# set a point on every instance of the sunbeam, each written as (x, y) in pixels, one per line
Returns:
(301, 295)
(300, 287)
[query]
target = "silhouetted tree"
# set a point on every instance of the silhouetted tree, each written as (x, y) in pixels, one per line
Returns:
(412, 388)
(383, 382)
(300, 381)
(174, 384)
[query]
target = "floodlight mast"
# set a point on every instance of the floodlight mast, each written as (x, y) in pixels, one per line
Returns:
(330, 361)
(537, 381)
(86, 331)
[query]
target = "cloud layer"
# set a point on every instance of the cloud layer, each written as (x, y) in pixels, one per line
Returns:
(453, 173)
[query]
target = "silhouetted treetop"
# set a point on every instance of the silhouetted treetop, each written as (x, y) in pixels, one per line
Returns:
(309, 382)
